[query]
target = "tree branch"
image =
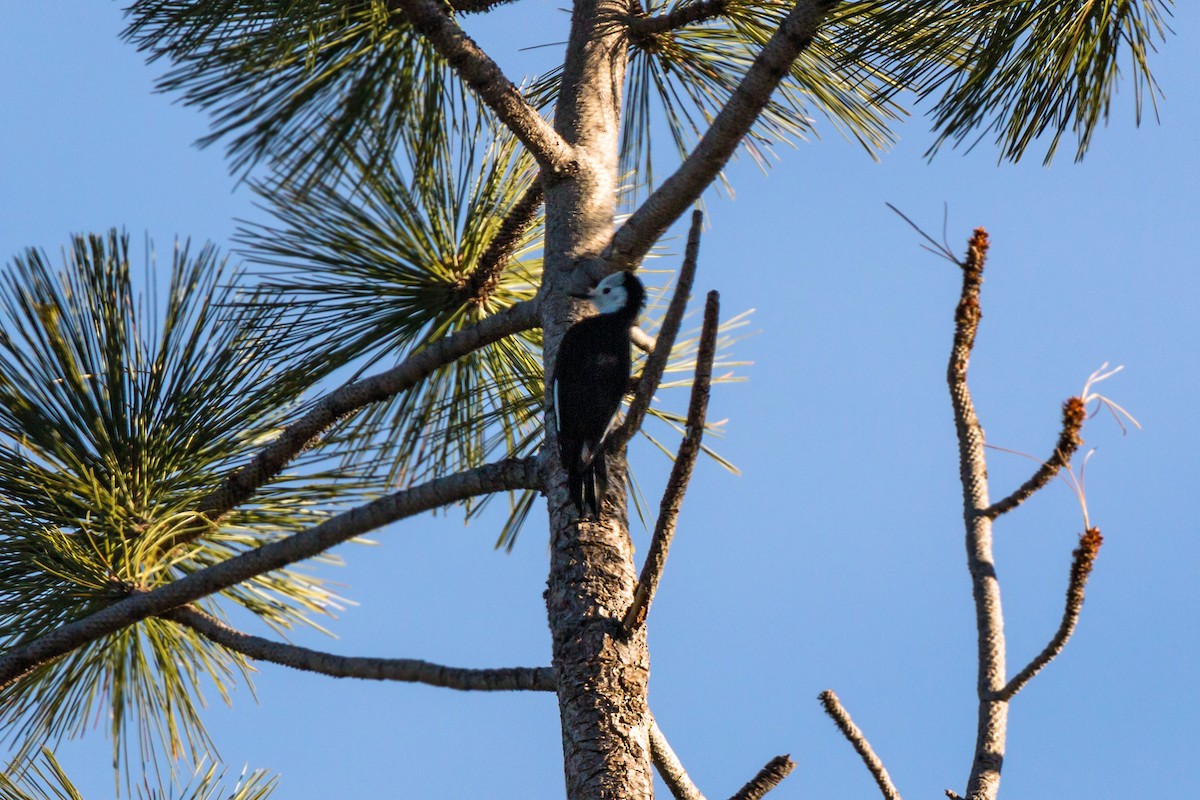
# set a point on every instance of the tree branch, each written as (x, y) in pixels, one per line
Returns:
(669, 767)
(631, 242)
(484, 76)
(841, 717)
(483, 280)
(1081, 568)
(1073, 415)
(407, 670)
(984, 782)
(644, 28)
(241, 484)
(767, 779)
(681, 473)
(656, 363)
(497, 477)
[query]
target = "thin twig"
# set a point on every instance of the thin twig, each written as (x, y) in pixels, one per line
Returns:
(669, 766)
(984, 781)
(633, 239)
(482, 282)
(483, 75)
(240, 485)
(1081, 568)
(644, 28)
(1073, 415)
(497, 477)
(656, 363)
(409, 670)
(841, 717)
(681, 472)
(767, 779)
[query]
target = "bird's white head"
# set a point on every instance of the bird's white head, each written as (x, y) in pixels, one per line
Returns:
(621, 291)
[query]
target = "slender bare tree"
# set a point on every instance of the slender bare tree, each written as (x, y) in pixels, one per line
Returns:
(158, 468)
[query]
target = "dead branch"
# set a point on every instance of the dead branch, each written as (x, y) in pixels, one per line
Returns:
(1073, 415)
(984, 782)
(409, 670)
(767, 779)
(681, 473)
(841, 718)
(669, 766)
(1081, 568)
(656, 363)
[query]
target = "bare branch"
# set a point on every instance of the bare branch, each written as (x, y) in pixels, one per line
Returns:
(652, 372)
(240, 485)
(645, 28)
(483, 280)
(841, 717)
(487, 79)
(500, 476)
(681, 473)
(669, 766)
(1081, 568)
(705, 162)
(408, 670)
(767, 779)
(1074, 413)
(984, 781)
(642, 340)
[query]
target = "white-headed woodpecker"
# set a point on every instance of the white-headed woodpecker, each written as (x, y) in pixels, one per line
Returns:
(591, 375)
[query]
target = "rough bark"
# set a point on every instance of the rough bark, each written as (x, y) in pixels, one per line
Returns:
(602, 679)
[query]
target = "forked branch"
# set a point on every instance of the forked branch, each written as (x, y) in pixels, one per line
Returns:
(1081, 568)
(498, 477)
(409, 670)
(656, 362)
(681, 472)
(841, 718)
(483, 75)
(713, 151)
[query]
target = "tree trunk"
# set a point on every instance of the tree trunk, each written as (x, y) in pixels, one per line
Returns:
(601, 680)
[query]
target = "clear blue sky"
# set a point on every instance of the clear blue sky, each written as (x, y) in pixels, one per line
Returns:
(836, 560)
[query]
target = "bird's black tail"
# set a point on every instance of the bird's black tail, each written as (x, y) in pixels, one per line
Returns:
(588, 483)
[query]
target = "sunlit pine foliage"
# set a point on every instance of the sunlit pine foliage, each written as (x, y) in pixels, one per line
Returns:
(298, 82)
(43, 778)
(119, 412)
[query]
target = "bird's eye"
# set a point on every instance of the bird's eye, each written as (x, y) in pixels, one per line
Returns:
(606, 291)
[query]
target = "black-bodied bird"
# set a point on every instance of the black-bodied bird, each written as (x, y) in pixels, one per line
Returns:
(591, 375)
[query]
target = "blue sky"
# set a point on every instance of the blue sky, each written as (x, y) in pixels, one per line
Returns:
(836, 559)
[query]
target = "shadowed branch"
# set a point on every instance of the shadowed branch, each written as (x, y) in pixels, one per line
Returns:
(643, 28)
(681, 472)
(841, 718)
(497, 477)
(1081, 568)
(539, 679)
(656, 363)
